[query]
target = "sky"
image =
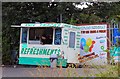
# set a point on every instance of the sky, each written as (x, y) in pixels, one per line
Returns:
(83, 5)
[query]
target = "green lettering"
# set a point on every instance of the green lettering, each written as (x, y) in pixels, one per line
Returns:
(65, 36)
(48, 53)
(37, 51)
(44, 51)
(22, 51)
(25, 51)
(34, 51)
(52, 50)
(28, 50)
(56, 51)
(40, 51)
(31, 50)
(65, 40)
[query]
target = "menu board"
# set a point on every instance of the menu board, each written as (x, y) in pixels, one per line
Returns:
(57, 40)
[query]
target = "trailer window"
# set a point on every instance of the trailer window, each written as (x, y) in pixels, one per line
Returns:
(57, 40)
(72, 40)
(24, 35)
(41, 35)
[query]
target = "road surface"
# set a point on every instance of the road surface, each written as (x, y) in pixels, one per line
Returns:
(49, 72)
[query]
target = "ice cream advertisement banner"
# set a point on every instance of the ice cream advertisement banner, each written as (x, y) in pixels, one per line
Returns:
(94, 40)
(96, 43)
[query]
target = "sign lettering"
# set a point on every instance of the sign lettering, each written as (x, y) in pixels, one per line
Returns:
(38, 51)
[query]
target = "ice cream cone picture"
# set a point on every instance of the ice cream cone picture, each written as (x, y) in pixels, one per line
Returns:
(87, 44)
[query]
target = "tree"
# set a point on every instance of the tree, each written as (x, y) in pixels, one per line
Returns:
(103, 10)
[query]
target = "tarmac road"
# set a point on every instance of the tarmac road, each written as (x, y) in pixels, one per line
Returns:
(49, 72)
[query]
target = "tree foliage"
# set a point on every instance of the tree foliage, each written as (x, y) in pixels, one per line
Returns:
(105, 10)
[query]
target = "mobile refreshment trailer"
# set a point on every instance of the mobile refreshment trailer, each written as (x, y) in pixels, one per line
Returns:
(68, 42)
(36, 51)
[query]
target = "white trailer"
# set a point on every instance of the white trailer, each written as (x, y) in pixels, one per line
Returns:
(65, 43)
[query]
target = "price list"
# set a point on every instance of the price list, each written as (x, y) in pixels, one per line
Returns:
(65, 37)
(78, 40)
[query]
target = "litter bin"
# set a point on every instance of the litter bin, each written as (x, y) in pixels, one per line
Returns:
(53, 60)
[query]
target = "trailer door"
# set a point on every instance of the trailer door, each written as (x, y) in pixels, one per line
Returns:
(71, 47)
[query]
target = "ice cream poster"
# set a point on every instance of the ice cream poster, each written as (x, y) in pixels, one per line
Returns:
(96, 43)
